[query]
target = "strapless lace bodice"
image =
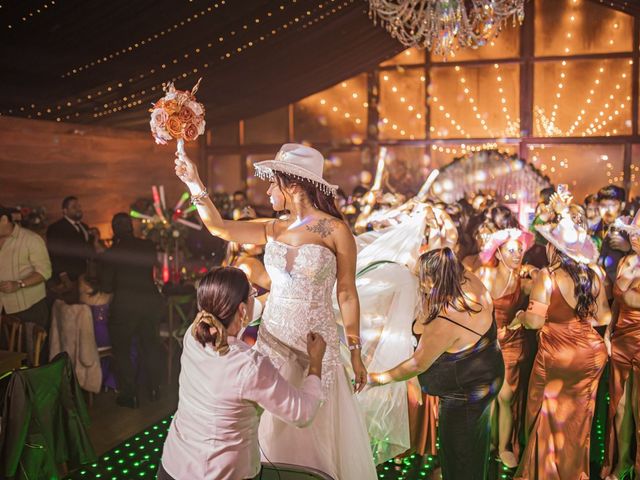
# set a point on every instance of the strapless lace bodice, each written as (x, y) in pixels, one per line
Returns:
(302, 281)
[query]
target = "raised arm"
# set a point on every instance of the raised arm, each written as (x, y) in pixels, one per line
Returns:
(241, 232)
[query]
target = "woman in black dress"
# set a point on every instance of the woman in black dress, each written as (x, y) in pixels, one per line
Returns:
(457, 359)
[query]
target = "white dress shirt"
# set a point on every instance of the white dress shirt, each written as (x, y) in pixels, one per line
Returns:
(214, 433)
(23, 253)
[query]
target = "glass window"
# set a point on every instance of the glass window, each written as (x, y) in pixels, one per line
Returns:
(225, 134)
(505, 45)
(573, 27)
(409, 56)
(271, 127)
(407, 168)
(475, 101)
(402, 104)
(584, 168)
(343, 168)
(224, 173)
(336, 114)
(582, 98)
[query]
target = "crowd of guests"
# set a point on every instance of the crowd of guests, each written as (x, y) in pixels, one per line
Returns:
(551, 287)
(517, 326)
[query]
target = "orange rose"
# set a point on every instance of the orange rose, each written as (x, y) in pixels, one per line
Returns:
(185, 114)
(171, 106)
(174, 126)
(190, 132)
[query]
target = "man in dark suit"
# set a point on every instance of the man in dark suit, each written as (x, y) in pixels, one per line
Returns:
(69, 243)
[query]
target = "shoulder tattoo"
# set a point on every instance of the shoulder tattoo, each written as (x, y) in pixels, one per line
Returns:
(323, 227)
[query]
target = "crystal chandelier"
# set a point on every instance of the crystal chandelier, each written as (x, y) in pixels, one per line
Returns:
(442, 26)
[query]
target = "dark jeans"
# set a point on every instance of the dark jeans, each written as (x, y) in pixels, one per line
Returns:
(140, 320)
(37, 314)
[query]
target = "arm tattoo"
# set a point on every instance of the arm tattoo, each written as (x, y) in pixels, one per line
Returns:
(323, 227)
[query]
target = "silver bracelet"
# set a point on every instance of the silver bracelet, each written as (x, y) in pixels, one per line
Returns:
(355, 346)
(197, 198)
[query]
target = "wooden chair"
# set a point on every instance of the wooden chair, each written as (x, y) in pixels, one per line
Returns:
(103, 352)
(12, 330)
(181, 311)
(39, 337)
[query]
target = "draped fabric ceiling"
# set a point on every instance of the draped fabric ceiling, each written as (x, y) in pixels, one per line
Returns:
(103, 62)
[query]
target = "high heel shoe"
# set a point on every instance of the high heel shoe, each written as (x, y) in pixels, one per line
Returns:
(508, 459)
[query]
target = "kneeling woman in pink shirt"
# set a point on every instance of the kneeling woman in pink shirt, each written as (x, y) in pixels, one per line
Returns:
(225, 385)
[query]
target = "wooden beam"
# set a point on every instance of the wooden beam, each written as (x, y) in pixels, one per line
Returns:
(527, 33)
(626, 167)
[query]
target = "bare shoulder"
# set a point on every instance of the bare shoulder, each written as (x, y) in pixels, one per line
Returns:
(327, 226)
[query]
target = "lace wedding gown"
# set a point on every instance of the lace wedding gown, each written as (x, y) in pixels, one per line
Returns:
(336, 442)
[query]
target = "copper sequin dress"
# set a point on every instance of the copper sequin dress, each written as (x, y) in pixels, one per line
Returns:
(562, 390)
(516, 354)
(625, 361)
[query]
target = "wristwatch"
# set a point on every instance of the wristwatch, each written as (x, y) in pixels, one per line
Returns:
(22, 284)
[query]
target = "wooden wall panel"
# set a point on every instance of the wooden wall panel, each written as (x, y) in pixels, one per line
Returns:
(107, 169)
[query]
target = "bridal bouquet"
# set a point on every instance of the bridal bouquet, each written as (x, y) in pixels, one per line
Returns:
(177, 116)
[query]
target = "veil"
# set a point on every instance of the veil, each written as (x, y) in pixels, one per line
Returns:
(388, 290)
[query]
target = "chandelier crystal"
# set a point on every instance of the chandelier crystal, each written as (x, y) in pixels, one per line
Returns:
(443, 26)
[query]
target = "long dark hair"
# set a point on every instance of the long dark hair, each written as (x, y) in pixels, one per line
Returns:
(586, 284)
(122, 227)
(447, 273)
(320, 200)
(220, 293)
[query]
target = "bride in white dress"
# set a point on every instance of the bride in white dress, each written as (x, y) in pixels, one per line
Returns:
(306, 254)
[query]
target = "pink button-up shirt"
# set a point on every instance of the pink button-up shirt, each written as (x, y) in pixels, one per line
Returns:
(214, 433)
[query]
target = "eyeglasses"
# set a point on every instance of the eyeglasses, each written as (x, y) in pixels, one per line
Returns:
(253, 293)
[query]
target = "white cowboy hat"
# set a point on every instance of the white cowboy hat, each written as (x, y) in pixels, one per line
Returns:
(300, 161)
(571, 239)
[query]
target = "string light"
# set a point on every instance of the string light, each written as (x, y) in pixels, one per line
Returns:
(120, 104)
(145, 41)
(32, 13)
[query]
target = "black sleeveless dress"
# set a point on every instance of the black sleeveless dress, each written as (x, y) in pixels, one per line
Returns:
(466, 383)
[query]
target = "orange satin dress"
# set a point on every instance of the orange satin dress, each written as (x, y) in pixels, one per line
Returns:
(562, 391)
(515, 352)
(625, 361)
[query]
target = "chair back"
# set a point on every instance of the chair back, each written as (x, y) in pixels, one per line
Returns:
(12, 331)
(285, 471)
(54, 432)
(39, 337)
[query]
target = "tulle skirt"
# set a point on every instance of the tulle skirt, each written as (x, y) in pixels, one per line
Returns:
(335, 443)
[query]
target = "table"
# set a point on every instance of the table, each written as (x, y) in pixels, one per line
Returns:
(10, 361)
